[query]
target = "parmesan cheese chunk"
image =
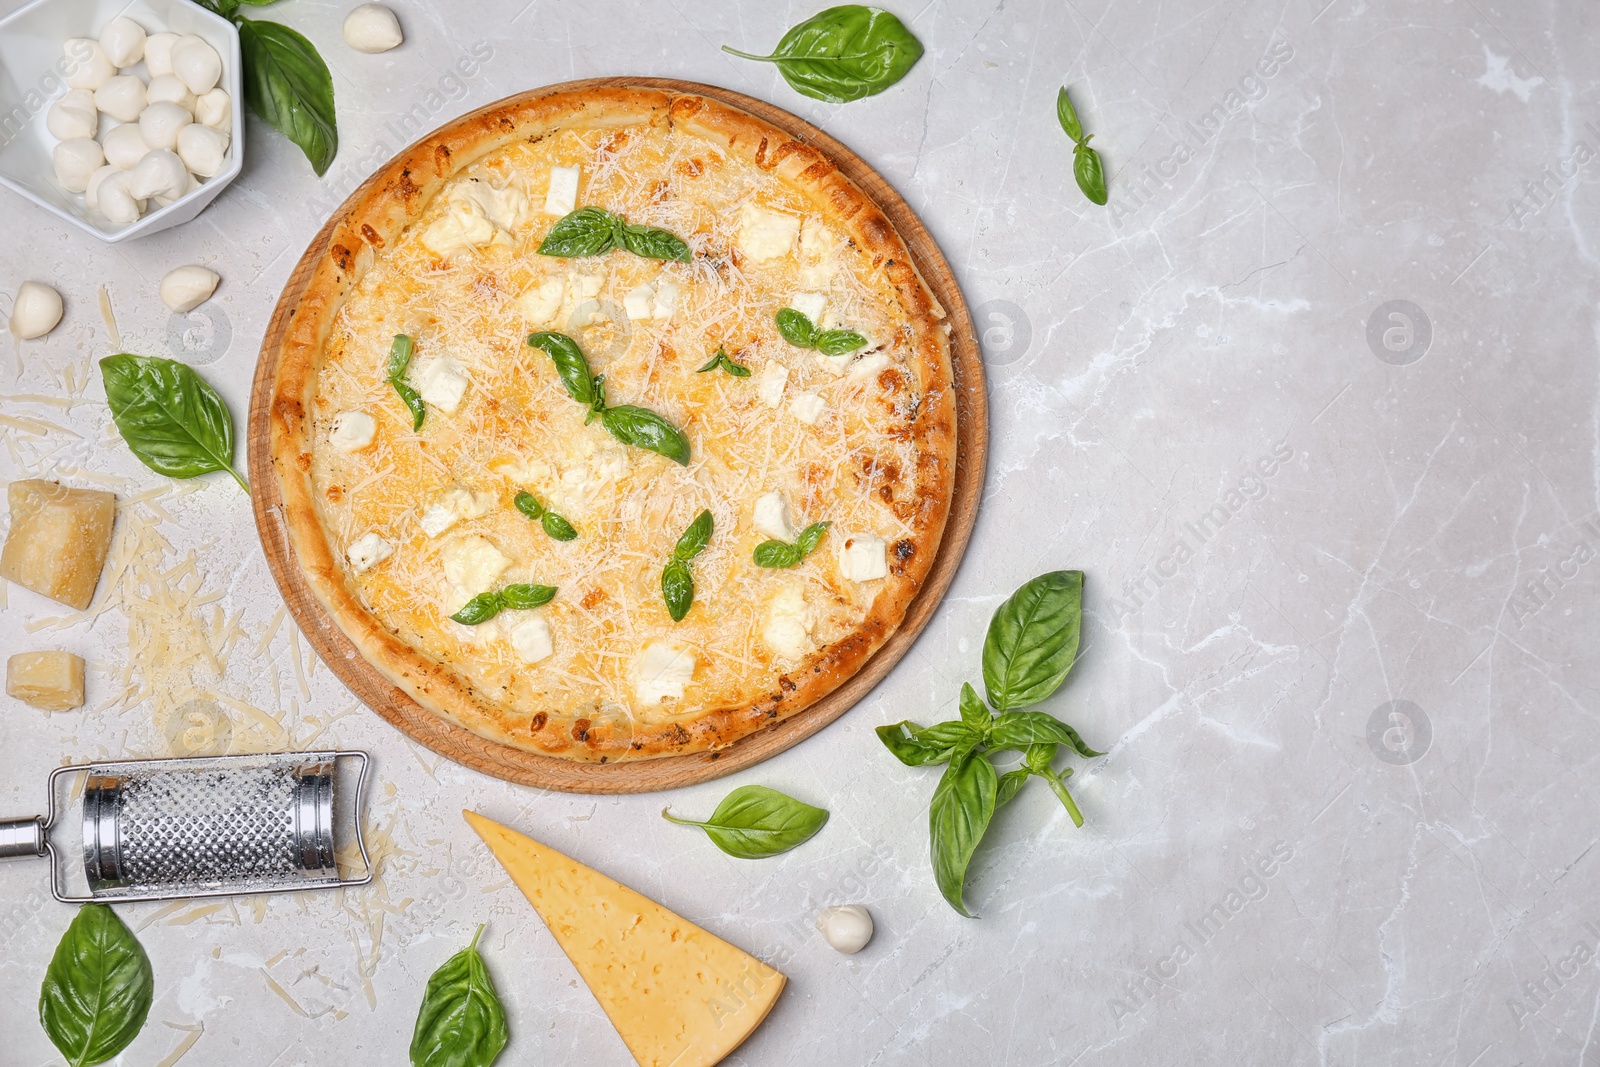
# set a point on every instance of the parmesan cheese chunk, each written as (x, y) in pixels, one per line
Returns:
(788, 624)
(811, 305)
(764, 234)
(441, 383)
(531, 639)
(49, 681)
(863, 557)
(770, 383)
(808, 407)
(352, 431)
(367, 552)
(562, 196)
(640, 302)
(453, 506)
(661, 672)
(472, 565)
(58, 541)
(541, 304)
(772, 516)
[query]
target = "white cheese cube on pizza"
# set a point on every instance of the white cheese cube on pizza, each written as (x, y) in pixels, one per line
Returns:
(452, 506)
(640, 302)
(562, 196)
(765, 235)
(661, 672)
(868, 366)
(788, 623)
(352, 431)
(820, 263)
(441, 383)
(807, 407)
(863, 558)
(772, 516)
(367, 551)
(811, 305)
(770, 383)
(531, 639)
(462, 228)
(472, 565)
(507, 208)
(667, 292)
(540, 304)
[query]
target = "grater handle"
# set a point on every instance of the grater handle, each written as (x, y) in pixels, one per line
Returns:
(22, 837)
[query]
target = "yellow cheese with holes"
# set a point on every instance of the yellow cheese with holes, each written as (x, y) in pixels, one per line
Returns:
(679, 996)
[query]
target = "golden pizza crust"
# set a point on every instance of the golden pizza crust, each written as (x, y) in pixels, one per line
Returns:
(398, 196)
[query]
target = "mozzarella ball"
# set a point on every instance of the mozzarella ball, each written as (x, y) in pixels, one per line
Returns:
(185, 288)
(75, 161)
(88, 66)
(122, 97)
(35, 311)
(159, 124)
(74, 115)
(847, 928)
(202, 149)
(160, 174)
(91, 191)
(124, 145)
(372, 28)
(169, 89)
(197, 63)
(214, 109)
(158, 53)
(123, 41)
(115, 202)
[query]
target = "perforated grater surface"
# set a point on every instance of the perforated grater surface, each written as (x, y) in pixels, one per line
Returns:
(207, 826)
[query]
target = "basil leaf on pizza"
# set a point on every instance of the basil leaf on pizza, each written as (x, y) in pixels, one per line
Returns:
(399, 362)
(572, 367)
(694, 539)
(558, 527)
(723, 360)
(838, 342)
(585, 232)
(526, 597)
(807, 542)
(794, 327)
(677, 588)
(651, 243)
(643, 428)
(780, 554)
(479, 609)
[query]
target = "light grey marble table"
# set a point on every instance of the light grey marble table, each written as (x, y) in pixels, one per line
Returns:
(1312, 402)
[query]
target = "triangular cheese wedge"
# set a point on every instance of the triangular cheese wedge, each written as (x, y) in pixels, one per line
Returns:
(679, 996)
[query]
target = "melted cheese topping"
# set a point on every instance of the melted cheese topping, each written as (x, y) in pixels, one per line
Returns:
(467, 283)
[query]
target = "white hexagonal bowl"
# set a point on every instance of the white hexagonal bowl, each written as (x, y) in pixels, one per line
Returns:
(31, 79)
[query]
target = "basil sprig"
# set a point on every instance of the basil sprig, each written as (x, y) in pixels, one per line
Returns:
(629, 424)
(97, 989)
(780, 554)
(802, 333)
(594, 231)
(486, 606)
(725, 361)
(399, 362)
(461, 1022)
(754, 822)
(1086, 165)
(843, 53)
(554, 525)
(170, 418)
(677, 584)
(1030, 647)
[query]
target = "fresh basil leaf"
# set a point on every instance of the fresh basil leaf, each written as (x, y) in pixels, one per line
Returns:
(973, 711)
(571, 364)
(807, 542)
(723, 360)
(400, 350)
(904, 740)
(1058, 786)
(1010, 782)
(1019, 729)
(643, 428)
(958, 817)
(461, 1022)
(479, 609)
(170, 418)
(677, 588)
(97, 990)
(1038, 758)
(287, 84)
(794, 327)
(695, 537)
(225, 8)
(529, 505)
(587, 231)
(843, 54)
(1032, 640)
(753, 822)
(951, 735)
(522, 597)
(776, 554)
(1067, 115)
(838, 342)
(413, 402)
(557, 527)
(651, 243)
(1089, 172)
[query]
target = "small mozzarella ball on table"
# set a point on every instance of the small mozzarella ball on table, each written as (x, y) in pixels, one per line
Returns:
(75, 161)
(214, 109)
(202, 149)
(846, 928)
(185, 288)
(124, 145)
(35, 311)
(197, 63)
(169, 89)
(160, 174)
(122, 97)
(159, 124)
(115, 202)
(158, 53)
(372, 28)
(74, 115)
(88, 66)
(123, 40)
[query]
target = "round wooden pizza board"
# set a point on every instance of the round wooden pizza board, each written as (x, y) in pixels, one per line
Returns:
(668, 772)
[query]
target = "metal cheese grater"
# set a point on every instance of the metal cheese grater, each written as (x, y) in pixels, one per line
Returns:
(165, 829)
